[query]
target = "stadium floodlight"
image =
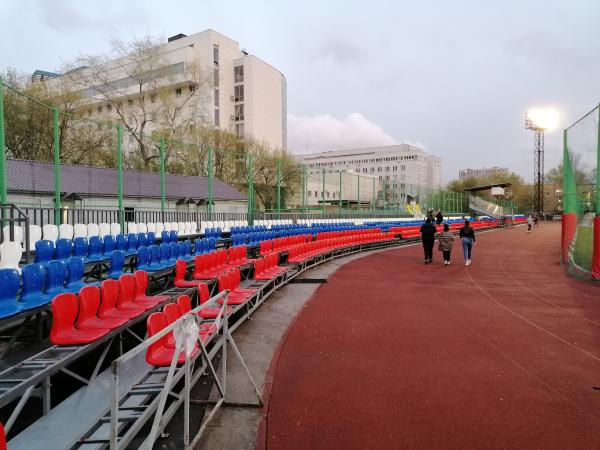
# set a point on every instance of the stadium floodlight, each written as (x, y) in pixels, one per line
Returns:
(540, 120)
(543, 119)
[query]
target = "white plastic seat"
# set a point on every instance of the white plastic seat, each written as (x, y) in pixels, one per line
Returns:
(181, 228)
(17, 233)
(10, 255)
(167, 226)
(35, 234)
(193, 228)
(187, 228)
(151, 227)
(93, 230)
(159, 228)
(174, 226)
(79, 230)
(115, 228)
(142, 228)
(103, 230)
(50, 232)
(65, 231)
(132, 228)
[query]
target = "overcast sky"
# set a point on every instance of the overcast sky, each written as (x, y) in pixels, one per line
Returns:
(454, 77)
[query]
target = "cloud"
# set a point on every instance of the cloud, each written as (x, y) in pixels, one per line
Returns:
(340, 49)
(324, 132)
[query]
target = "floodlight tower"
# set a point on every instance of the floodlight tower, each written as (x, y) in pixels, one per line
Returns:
(539, 120)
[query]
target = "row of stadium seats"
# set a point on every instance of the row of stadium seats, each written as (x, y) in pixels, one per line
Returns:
(95, 311)
(182, 228)
(282, 244)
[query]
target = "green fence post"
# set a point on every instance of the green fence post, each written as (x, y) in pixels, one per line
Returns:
(3, 184)
(340, 194)
(279, 188)
(374, 200)
(211, 181)
(56, 146)
(323, 193)
(162, 178)
(250, 190)
(120, 174)
(303, 189)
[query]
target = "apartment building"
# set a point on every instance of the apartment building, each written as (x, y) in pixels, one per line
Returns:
(482, 172)
(209, 78)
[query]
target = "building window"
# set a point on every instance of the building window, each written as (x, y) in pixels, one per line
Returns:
(130, 103)
(316, 194)
(239, 113)
(309, 193)
(99, 109)
(216, 54)
(216, 77)
(364, 170)
(239, 93)
(387, 168)
(239, 129)
(192, 89)
(217, 122)
(379, 169)
(178, 92)
(372, 169)
(216, 97)
(109, 108)
(238, 74)
(89, 112)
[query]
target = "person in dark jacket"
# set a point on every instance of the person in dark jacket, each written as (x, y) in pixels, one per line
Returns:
(467, 234)
(428, 231)
(439, 218)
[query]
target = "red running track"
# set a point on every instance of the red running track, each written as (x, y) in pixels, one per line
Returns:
(391, 353)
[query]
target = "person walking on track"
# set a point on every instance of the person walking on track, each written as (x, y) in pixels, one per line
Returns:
(439, 218)
(428, 231)
(446, 240)
(529, 223)
(467, 234)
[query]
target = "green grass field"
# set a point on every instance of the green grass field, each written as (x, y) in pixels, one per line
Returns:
(584, 248)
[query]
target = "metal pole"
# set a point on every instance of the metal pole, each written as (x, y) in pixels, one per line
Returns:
(340, 193)
(211, 181)
(358, 196)
(279, 188)
(55, 134)
(374, 199)
(303, 189)
(250, 190)
(323, 193)
(597, 166)
(120, 174)
(162, 178)
(3, 183)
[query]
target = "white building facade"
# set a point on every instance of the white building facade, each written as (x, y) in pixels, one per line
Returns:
(240, 92)
(402, 163)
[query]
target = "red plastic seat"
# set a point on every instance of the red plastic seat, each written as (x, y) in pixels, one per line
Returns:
(2, 437)
(141, 283)
(127, 290)
(109, 293)
(125, 299)
(157, 353)
(172, 313)
(180, 271)
(63, 331)
(209, 312)
(89, 303)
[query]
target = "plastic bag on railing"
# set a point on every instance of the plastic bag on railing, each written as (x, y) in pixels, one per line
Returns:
(186, 334)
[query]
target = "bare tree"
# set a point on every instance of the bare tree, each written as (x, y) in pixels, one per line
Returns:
(147, 93)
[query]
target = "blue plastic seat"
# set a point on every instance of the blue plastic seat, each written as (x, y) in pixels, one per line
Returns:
(57, 276)
(151, 238)
(117, 261)
(95, 249)
(76, 271)
(197, 246)
(143, 258)
(212, 244)
(10, 280)
(64, 247)
(173, 236)
(142, 239)
(155, 258)
(34, 282)
(80, 247)
(44, 251)
(110, 244)
(121, 241)
(164, 256)
(131, 244)
(188, 256)
(173, 252)
(165, 237)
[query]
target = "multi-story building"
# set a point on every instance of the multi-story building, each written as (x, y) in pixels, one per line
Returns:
(481, 173)
(402, 163)
(239, 92)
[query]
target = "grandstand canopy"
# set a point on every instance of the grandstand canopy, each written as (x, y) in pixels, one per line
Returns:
(487, 187)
